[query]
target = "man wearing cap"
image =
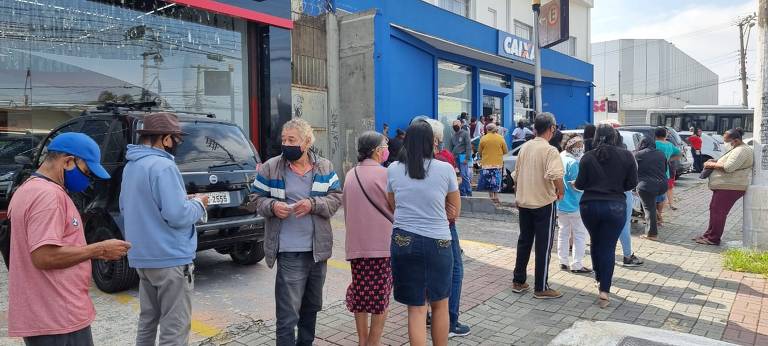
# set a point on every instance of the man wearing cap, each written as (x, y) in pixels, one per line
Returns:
(160, 222)
(50, 268)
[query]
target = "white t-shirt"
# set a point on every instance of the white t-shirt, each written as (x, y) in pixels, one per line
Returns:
(420, 204)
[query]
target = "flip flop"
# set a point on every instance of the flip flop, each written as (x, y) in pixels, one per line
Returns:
(648, 237)
(705, 241)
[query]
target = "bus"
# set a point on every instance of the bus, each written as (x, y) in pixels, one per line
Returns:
(711, 119)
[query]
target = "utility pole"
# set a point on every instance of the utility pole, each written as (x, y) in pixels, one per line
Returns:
(745, 25)
(536, 4)
(755, 228)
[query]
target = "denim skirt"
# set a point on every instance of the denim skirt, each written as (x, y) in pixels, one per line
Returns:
(422, 268)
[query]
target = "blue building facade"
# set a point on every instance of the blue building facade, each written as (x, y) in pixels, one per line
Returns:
(429, 61)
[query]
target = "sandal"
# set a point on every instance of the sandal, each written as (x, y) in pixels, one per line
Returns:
(672, 207)
(583, 270)
(650, 237)
(603, 303)
(705, 241)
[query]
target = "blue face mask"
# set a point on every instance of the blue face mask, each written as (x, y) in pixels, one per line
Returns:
(75, 180)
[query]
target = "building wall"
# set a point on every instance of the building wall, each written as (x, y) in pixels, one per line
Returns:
(650, 74)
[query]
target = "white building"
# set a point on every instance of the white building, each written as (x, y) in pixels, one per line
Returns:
(644, 74)
(516, 17)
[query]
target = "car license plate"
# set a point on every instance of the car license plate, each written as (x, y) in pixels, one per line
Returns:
(216, 198)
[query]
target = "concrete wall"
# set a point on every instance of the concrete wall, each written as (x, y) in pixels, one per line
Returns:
(356, 88)
(483, 13)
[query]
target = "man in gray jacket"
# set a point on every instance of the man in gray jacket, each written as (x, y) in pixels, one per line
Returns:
(461, 147)
(298, 193)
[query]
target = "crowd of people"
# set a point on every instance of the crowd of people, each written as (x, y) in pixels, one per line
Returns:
(401, 201)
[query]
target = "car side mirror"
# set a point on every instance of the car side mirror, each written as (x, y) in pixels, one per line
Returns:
(23, 160)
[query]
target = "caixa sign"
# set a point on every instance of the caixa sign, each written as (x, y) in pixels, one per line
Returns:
(517, 48)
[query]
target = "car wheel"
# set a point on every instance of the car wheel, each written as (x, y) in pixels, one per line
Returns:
(248, 253)
(111, 276)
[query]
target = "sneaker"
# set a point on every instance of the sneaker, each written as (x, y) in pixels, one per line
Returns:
(520, 288)
(458, 330)
(563, 267)
(547, 294)
(632, 261)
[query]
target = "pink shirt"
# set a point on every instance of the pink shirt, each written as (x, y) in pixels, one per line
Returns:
(368, 231)
(45, 302)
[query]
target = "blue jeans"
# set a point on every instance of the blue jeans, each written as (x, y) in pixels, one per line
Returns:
(465, 189)
(454, 299)
(603, 220)
(626, 236)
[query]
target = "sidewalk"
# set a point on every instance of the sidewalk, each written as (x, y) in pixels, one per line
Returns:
(682, 287)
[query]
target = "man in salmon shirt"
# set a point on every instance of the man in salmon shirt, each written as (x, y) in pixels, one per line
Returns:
(50, 268)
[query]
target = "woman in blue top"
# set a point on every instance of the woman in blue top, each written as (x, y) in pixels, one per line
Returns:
(424, 194)
(568, 216)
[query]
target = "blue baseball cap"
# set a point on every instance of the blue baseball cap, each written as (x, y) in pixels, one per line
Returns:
(82, 147)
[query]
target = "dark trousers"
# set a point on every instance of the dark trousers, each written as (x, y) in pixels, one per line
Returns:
(299, 297)
(719, 207)
(698, 165)
(81, 337)
(454, 300)
(649, 209)
(536, 226)
(604, 221)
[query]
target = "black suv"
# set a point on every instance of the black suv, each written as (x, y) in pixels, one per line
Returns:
(14, 143)
(215, 158)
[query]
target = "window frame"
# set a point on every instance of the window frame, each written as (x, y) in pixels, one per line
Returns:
(518, 24)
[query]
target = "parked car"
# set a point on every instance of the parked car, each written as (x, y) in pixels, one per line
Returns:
(16, 145)
(686, 160)
(215, 158)
(710, 146)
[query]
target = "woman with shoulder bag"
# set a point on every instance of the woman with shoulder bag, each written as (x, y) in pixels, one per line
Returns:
(368, 220)
(728, 180)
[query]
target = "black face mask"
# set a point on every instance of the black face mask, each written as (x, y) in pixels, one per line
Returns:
(456, 128)
(292, 152)
(174, 149)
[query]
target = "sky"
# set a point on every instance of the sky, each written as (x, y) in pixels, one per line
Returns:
(703, 29)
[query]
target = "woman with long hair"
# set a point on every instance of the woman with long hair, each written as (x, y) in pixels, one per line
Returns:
(652, 182)
(368, 220)
(605, 173)
(424, 193)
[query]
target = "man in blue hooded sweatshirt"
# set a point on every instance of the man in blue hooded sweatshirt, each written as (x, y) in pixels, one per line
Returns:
(160, 222)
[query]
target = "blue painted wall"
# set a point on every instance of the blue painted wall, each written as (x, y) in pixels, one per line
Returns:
(405, 67)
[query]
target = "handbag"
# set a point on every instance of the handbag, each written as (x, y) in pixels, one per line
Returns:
(370, 200)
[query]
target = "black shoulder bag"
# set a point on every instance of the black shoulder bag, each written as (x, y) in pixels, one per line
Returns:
(370, 200)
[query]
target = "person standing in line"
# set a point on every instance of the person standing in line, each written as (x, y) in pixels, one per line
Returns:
(491, 149)
(589, 137)
(629, 257)
(461, 148)
(557, 141)
(605, 173)
(395, 144)
(160, 221)
(696, 143)
(568, 217)
(368, 221)
(539, 176)
(652, 182)
(728, 181)
(473, 126)
(671, 152)
(518, 135)
(454, 300)
(425, 195)
(49, 267)
(297, 192)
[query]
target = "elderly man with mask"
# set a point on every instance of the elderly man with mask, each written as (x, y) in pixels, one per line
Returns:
(460, 146)
(297, 192)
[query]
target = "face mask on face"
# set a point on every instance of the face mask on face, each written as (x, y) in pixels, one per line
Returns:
(75, 180)
(172, 149)
(728, 145)
(577, 152)
(384, 156)
(456, 128)
(292, 152)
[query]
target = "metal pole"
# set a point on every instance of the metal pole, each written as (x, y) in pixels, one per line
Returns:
(743, 61)
(755, 228)
(536, 4)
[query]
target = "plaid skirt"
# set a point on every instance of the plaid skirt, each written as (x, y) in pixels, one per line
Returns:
(489, 180)
(371, 285)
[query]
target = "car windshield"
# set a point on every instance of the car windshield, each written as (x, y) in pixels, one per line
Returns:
(214, 147)
(15, 143)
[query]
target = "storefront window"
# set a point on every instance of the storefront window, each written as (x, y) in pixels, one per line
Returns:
(524, 102)
(454, 92)
(59, 57)
(495, 79)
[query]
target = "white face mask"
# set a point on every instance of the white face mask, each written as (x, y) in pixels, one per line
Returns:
(728, 146)
(577, 152)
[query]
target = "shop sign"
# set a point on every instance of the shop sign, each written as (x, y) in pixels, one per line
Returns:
(517, 48)
(553, 23)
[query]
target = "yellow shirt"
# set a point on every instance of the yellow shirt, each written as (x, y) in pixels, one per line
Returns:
(537, 168)
(492, 149)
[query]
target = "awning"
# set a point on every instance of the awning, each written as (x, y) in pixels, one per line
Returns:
(454, 48)
(237, 11)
